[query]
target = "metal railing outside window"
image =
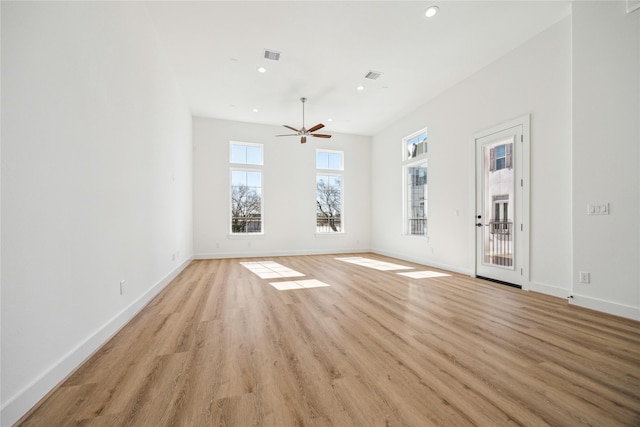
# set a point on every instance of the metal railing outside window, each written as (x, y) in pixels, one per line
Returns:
(417, 226)
(246, 225)
(328, 225)
(500, 250)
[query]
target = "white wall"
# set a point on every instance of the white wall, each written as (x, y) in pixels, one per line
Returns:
(96, 184)
(606, 154)
(289, 192)
(533, 79)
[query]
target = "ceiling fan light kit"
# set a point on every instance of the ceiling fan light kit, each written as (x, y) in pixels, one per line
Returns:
(304, 132)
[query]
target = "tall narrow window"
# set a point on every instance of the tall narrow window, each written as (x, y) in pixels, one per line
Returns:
(329, 189)
(414, 171)
(246, 188)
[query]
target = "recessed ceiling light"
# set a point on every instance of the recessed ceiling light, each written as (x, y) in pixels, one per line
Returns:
(262, 70)
(329, 119)
(255, 110)
(431, 11)
(360, 88)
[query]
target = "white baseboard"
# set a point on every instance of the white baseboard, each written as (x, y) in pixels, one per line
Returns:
(225, 255)
(548, 289)
(18, 405)
(609, 307)
(245, 254)
(425, 262)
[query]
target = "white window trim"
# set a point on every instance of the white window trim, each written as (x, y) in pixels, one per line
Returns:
(250, 144)
(407, 163)
(332, 172)
(247, 168)
(403, 155)
(322, 150)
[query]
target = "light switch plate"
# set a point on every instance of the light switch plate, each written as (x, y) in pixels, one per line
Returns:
(598, 209)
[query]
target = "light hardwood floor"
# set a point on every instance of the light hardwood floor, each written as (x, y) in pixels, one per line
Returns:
(222, 347)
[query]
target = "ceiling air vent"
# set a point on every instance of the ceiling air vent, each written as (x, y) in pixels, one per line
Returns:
(272, 54)
(373, 75)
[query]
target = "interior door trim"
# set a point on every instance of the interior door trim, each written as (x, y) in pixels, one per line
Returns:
(525, 122)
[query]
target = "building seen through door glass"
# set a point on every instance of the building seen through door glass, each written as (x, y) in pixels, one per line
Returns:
(498, 201)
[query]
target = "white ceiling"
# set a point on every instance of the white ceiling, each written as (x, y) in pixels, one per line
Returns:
(326, 49)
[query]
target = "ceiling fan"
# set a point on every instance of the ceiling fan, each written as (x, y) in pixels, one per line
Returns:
(303, 132)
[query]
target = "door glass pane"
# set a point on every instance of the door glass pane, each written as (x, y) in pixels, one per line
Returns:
(498, 196)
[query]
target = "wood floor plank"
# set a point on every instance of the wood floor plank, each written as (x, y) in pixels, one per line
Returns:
(221, 346)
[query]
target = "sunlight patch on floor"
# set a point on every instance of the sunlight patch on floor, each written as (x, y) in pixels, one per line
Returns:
(298, 284)
(423, 274)
(373, 263)
(270, 269)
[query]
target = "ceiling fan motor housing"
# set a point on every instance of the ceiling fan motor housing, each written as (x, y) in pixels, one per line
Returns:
(304, 132)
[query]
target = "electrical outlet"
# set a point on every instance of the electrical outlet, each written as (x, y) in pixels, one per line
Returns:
(121, 287)
(585, 277)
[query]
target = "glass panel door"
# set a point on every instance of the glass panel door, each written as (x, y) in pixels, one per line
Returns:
(497, 198)
(498, 193)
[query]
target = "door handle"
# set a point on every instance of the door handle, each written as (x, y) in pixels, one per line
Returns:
(479, 224)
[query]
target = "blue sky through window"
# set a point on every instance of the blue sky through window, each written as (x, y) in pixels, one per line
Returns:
(246, 154)
(328, 160)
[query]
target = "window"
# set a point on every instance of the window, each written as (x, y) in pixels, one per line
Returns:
(415, 145)
(330, 160)
(246, 154)
(414, 171)
(500, 157)
(246, 188)
(329, 187)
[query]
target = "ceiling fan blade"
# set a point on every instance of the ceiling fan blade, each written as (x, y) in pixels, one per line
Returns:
(321, 135)
(316, 127)
(303, 140)
(292, 128)
(289, 134)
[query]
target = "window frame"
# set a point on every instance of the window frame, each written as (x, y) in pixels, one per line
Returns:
(246, 167)
(421, 148)
(419, 160)
(322, 150)
(246, 144)
(331, 172)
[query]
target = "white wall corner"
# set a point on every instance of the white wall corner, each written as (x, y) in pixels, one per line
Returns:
(274, 253)
(547, 289)
(609, 307)
(427, 263)
(633, 5)
(18, 405)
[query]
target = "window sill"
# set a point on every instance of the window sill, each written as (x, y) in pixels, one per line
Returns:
(417, 236)
(245, 236)
(337, 234)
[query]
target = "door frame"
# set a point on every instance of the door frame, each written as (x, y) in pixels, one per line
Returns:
(523, 228)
